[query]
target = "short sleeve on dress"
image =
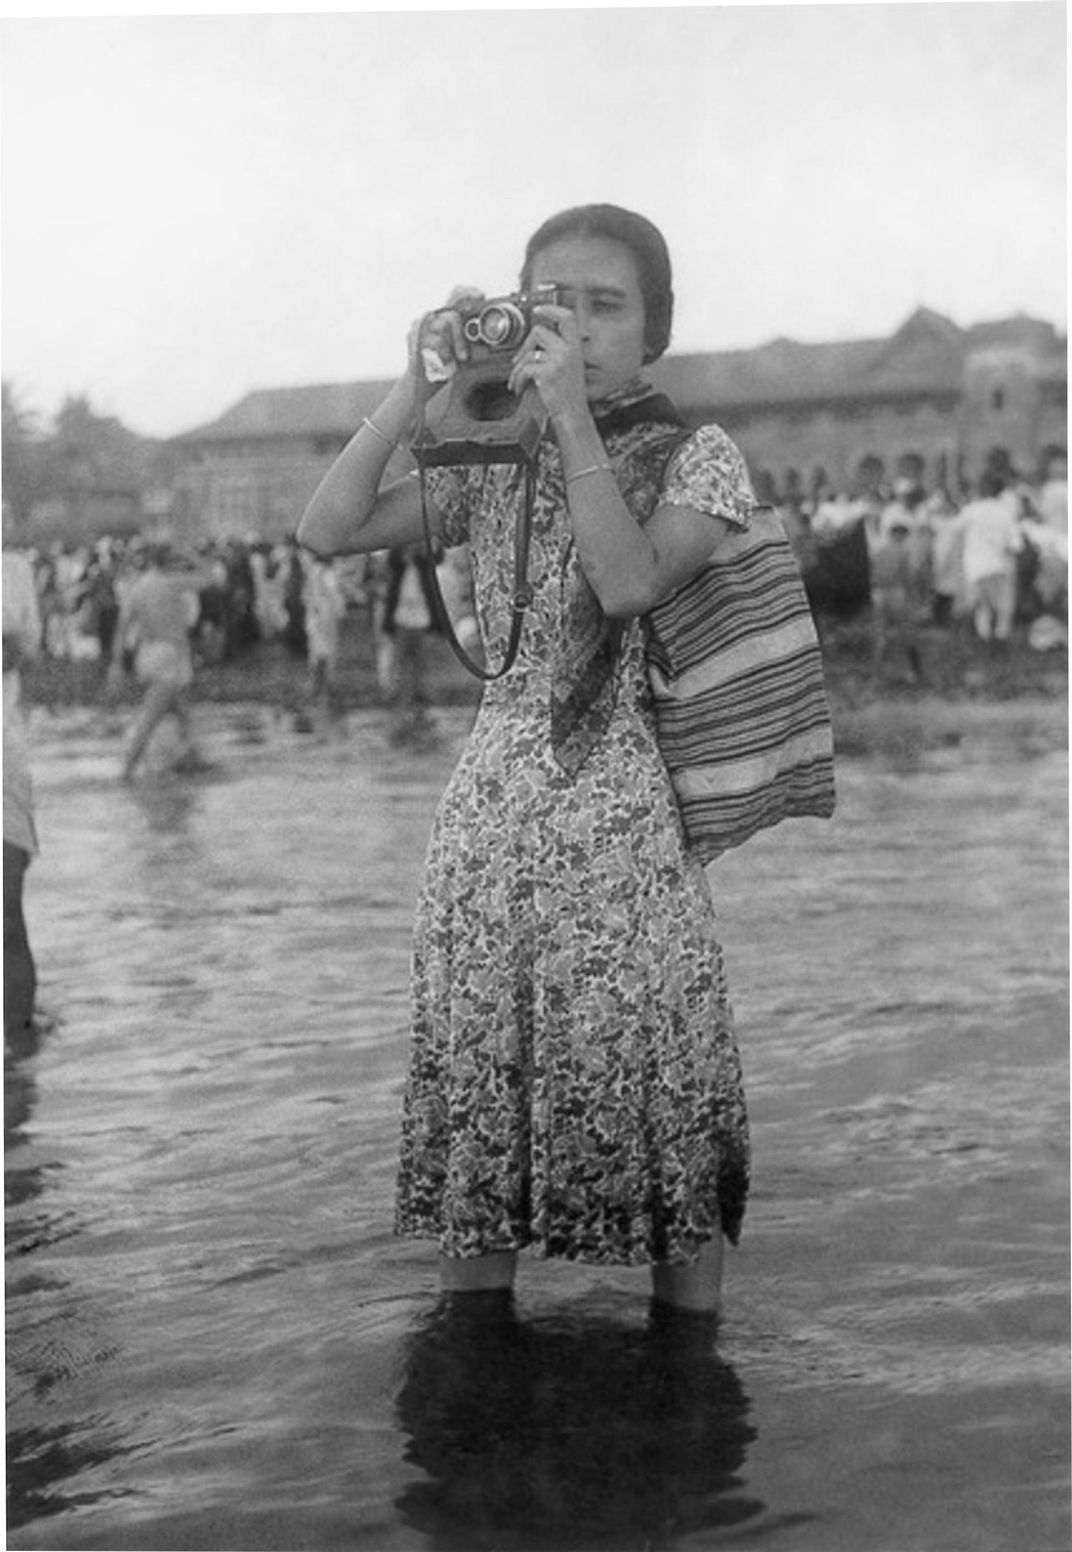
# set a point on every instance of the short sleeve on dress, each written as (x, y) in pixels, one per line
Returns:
(451, 489)
(708, 473)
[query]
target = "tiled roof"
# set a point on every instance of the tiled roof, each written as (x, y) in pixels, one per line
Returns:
(326, 409)
(925, 355)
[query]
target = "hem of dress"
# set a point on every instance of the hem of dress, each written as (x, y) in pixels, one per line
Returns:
(540, 1250)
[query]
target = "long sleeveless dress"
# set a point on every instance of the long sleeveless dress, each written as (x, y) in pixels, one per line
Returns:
(574, 1083)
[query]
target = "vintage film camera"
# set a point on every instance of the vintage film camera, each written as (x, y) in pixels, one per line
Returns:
(483, 422)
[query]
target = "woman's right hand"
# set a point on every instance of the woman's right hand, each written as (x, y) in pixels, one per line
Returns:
(436, 344)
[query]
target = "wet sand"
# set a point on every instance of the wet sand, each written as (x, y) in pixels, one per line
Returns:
(213, 1340)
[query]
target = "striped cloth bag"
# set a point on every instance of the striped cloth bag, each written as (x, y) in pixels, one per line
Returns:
(737, 677)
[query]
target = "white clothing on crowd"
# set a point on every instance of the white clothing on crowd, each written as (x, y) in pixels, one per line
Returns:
(1053, 505)
(267, 596)
(947, 554)
(325, 606)
(1051, 546)
(836, 514)
(992, 541)
(992, 536)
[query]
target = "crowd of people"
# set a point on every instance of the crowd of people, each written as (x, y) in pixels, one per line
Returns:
(996, 559)
(245, 593)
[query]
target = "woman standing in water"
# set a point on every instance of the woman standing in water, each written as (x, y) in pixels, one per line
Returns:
(575, 1083)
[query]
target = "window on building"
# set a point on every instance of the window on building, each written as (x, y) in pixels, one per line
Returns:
(997, 399)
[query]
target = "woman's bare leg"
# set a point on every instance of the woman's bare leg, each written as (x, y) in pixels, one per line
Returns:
(478, 1274)
(160, 699)
(697, 1286)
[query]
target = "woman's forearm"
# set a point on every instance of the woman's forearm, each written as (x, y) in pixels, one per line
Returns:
(616, 555)
(345, 498)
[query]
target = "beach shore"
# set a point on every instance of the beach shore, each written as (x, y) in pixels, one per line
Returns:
(967, 685)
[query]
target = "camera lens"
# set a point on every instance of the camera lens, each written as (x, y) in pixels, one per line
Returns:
(500, 324)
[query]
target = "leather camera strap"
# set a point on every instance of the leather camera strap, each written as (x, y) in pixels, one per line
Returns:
(522, 593)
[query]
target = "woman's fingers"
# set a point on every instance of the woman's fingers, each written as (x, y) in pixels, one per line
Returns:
(460, 294)
(559, 319)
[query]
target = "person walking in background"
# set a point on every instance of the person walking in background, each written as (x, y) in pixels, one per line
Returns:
(992, 542)
(22, 643)
(575, 1084)
(156, 617)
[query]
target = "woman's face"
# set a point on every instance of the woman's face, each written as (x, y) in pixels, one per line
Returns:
(602, 286)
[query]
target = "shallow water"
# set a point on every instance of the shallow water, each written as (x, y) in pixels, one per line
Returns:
(213, 1340)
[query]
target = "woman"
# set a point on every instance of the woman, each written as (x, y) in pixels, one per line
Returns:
(575, 1082)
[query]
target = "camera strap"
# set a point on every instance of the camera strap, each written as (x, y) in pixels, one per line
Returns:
(522, 593)
(651, 407)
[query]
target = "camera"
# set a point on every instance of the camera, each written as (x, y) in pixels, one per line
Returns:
(504, 321)
(482, 421)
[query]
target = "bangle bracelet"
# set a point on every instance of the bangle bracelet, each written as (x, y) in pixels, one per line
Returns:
(592, 468)
(374, 428)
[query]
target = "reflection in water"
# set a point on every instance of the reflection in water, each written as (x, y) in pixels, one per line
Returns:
(550, 1433)
(167, 803)
(39, 1456)
(206, 1309)
(23, 1175)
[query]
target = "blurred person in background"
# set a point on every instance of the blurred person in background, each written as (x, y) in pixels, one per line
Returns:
(293, 589)
(267, 591)
(947, 568)
(1053, 497)
(325, 609)
(157, 615)
(992, 544)
(22, 643)
(406, 618)
(895, 602)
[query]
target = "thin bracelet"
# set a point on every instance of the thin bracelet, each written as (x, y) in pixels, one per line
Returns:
(592, 468)
(374, 428)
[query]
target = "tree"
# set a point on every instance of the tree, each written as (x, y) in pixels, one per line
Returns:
(21, 455)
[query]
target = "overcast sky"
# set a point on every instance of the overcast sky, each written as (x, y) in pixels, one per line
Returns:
(195, 206)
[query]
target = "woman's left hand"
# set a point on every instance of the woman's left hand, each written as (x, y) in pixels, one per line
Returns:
(551, 360)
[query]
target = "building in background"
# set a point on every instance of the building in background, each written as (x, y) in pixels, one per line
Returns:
(932, 400)
(254, 469)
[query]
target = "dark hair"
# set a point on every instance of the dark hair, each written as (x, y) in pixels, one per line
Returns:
(644, 241)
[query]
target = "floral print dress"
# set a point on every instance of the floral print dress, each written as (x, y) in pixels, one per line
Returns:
(574, 1084)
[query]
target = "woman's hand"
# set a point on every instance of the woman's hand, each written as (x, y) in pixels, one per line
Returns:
(436, 344)
(552, 361)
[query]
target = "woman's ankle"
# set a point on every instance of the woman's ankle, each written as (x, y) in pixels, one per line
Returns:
(693, 1287)
(493, 1273)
